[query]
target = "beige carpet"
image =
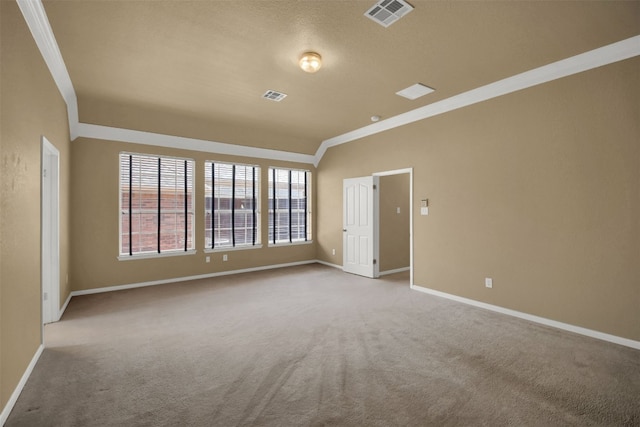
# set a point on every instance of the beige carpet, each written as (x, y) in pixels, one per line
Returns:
(314, 346)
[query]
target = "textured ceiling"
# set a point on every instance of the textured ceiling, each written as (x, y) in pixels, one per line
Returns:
(204, 65)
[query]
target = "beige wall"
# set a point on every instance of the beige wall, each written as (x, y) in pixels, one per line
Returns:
(95, 169)
(539, 189)
(394, 226)
(31, 106)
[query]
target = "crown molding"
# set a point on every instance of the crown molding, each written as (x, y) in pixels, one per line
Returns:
(161, 140)
(36, 18)
(615, 52)
(38, 23)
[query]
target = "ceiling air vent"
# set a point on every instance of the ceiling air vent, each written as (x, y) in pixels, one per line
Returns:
(386, 12)
(274, 96)
(415, 91)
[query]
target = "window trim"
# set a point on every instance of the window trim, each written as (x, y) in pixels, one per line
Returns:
(232, 249)
(256, 241)
(127, 256)
(308, 215)
(150, 255)
(287, 244)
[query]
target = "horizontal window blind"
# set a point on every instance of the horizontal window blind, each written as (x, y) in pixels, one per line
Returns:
(289, 213)
(156, 200)
(231, 205)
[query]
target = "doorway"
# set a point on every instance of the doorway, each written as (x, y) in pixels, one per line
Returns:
(362, 253)
(395, 236)
(50, 229)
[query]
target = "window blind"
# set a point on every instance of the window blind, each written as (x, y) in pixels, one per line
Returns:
(156, 199)
(231, 205)
(289, 213)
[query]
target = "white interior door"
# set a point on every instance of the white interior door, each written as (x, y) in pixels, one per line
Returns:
(50, 233)
(360, 226)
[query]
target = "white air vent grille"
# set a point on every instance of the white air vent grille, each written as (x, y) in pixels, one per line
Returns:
(386, 12)
(274, 96)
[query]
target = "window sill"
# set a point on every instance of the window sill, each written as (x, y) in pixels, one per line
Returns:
(285, 244)
(232, 248)
(155, 255)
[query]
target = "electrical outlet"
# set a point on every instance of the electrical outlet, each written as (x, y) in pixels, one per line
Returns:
(224, 257)
(333, 251)
(488, 282)
(208, 259)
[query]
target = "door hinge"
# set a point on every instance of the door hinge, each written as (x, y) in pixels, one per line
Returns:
(375, 261)
(46, 296)
(375, 187)
(44, 173)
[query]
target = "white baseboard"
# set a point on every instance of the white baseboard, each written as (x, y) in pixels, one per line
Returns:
(184, 279)
(394, 271)
(16, 393)
(328, 264)
(542, 320)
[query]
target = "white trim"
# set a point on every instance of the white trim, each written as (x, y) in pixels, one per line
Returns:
(541, 320)
(156, 139)
(615, 52)
(394, 172)
(328, 264)
(376, 226)
(50, 231)
(23, 381)
(411, 219)
(184, 279)
(151, 255)
(219, 249)
(38, 23)
(394, 271)
(287, 244)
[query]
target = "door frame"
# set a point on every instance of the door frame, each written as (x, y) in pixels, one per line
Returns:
(50, 232)
(377, 231)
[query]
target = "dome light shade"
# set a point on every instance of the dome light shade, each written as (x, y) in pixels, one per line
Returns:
(310, 62)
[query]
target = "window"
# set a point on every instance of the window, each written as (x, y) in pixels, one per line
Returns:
(156, 204)
(289, 212)
(231, 205)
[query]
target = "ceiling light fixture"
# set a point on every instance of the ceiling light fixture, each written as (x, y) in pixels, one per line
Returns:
(310, 62)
